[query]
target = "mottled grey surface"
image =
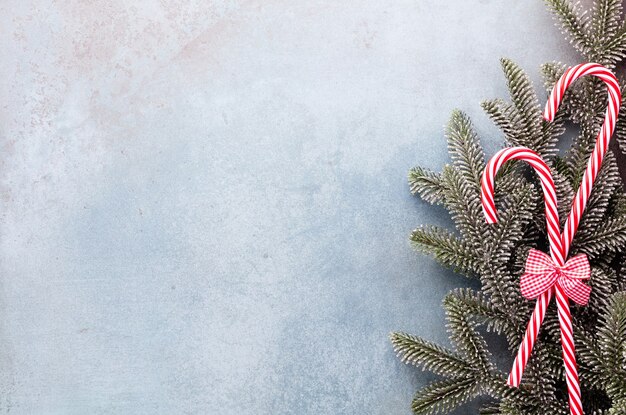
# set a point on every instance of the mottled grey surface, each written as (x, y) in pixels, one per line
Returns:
(204, 204)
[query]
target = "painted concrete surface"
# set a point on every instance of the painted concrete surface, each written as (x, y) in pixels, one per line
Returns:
(204, 204)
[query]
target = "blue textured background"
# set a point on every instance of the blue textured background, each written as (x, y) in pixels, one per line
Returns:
(204, 204)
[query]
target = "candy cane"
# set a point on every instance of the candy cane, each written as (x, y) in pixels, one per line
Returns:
(559, 243)
(602, 140)
(554, 236)
(580, 200)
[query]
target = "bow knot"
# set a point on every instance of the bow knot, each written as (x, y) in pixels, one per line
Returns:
(542, 273)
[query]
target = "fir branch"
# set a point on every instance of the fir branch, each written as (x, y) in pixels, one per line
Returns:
(619, 407)
(589, 358)
(607, 182)
(603, 283)
(605, 21)
(607, 237)
(551, 72)
(501, 113)
(620, 127)
(495, 320)
(418, 352)
(463, 201)
(574, 23)
(464, 335)
(490, 409)
(512, 399)
(528, 113)
(515, 211)
(447, 249)
(427, 184)
(612, 345)
(464, 149)
(501, 244)
(614, 49)
(443, 396)
(607, 34)
(565, 194)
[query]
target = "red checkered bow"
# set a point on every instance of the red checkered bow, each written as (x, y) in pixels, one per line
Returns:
(542, 273)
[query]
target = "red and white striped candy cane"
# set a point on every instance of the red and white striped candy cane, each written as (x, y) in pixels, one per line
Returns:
(602, 140)
(554, 236)
(580, 201)
(559, 245)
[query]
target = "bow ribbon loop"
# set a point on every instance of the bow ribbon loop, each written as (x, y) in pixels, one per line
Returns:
(542, 273)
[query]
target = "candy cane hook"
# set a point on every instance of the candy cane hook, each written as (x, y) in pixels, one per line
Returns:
(566, 275)
(547, 184)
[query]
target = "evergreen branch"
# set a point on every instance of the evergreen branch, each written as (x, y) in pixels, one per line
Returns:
(614, 49)
(605, 21)
(443, 396)
(607, 237)
(501, 113)
(552, 72)
(609, 33)
(606, 183)
(528, 112)
(447, 249)
(490, 409)
(551, 133)
(620, 132)
(496, 320)
(516, 210)
(464, 335)
(427, 184)
(589, 358)
(464, 149)
(504, 237)
(565, 194)
(418, 352)
(619, 407)
(620, 127)
(512, 399)
(463, 202)
(612, 345)
(573, 23)
(604, 284)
